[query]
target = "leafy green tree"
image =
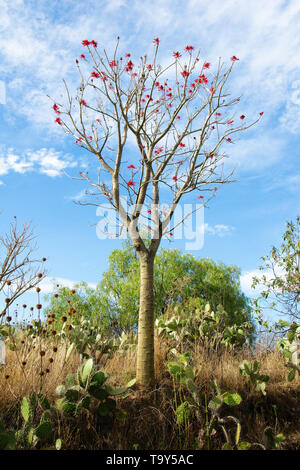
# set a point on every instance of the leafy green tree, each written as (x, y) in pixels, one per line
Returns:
(177, 278)
(280, 279)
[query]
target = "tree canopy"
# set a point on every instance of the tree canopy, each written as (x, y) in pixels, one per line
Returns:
(177, 277)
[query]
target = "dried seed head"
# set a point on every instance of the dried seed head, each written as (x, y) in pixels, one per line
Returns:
(42, 353)
(8, 283)
(7, 377)
(53, 332)
(69, 327)
(44, 259)
(47, 371)
(38, 289)
(8, 319)
(24, 305)
(39, 306)
(24, 363)
(7, 300)
(56, 295)
(51, 359)
(55, 349)
(73, 291)
(41, 373)
(64, 319)
(39, 275)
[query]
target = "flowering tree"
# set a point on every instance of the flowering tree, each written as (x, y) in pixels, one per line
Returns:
(171, 121)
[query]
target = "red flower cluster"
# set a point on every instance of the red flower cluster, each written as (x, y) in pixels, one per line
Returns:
(82, 56)
(185, 73)
(58, 120)
(181, 144)
(149, 67)
(56, 109)
(113, 63)
(158, 150)
(200, 197)
(261, 113)
(85, 42)
(206, 65)
(174, 178)
(130, 183)
(234, 58)
(201, 79)
(129, 66)
(131, 167)
(242, 116)
(95, 75)
(83, 103)
(156, 41)
(189, 48)
(228, 139)
(230, 122)
(176, 55)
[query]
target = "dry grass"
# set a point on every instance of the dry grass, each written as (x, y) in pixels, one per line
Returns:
(151, 420)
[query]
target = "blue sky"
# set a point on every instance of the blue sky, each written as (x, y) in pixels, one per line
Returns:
(39, 42)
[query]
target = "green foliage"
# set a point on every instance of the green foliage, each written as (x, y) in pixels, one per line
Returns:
(251, 371)
(192, 322)
(280, 277)
(86, 388)
(114, 304)
(29, 435)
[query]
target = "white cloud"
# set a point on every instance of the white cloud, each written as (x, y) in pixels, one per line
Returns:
(45, 161)
(218, 230)
(48, 285)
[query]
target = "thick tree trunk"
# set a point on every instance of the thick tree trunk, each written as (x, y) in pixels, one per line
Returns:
(145, 350)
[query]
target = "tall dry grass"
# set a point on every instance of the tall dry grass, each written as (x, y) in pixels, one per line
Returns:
(151, 419)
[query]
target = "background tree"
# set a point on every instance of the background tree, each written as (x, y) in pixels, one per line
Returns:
(19, 270)
(177, 117)
(178, 277)
(280, 279)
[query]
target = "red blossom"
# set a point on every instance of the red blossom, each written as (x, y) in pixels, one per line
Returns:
(113, 63)
(261, 113)
(127, 54)
(83, 103)
(149, 211)
(174, 178)
(85, 42)
(206, 65)
(176, 55)
(130, 183)
(158, 150)
(218, 114)
(82, 56)
(242, 116)
(180, 162)
(149, 67)
(129, 66)
(185, 73)
(171, 234)
(228, 139)
(156, 41)
(56, 109)
(178, 117)
(95, 75)
(234, 58)
(131, 167)
(58, 120)
(200, 197)
(230, 122)
(189, 48)
(94, 43)
(79, 139)
(181, 144)
(212, 128)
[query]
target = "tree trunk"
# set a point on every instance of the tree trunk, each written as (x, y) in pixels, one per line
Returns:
(145, 350)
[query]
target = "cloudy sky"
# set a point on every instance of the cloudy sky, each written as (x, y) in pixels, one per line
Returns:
(39, 42)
